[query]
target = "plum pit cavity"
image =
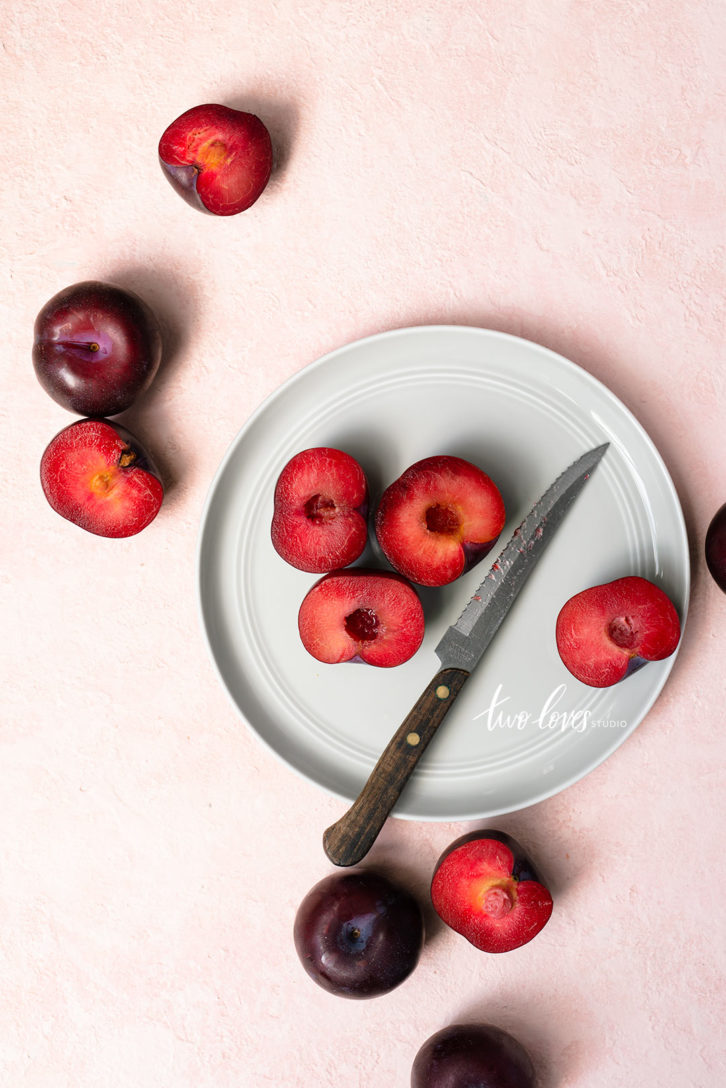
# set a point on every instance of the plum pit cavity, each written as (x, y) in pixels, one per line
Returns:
(442, 519)
(497, 902)
(318, 508)
(362, 625)
(623, 632)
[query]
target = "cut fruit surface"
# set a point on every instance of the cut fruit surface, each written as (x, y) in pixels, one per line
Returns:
(375, 616)
(320, 506)
(607, 632)
(96, 474)
(217, 158)
(485, 888)
(438, 519)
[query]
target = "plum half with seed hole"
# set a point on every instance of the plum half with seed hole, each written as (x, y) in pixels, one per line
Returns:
(320, 507)
(97, 475)
(368, 615)
(486, 889)
(607, 632)
(97, 347)
(438, 519)
(472, 1056)
(358, 934)
(217, 158)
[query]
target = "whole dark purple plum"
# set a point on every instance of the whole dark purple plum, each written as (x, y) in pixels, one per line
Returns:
(472, 1056)
(716, 548)
(96, 348)
(358, 934)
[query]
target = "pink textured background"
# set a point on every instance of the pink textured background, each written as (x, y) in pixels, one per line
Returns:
(554, 169)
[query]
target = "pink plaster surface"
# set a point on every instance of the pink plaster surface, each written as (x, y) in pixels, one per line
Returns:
(553, 169)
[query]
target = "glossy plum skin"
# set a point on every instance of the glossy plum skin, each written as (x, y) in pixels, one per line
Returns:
(472, 1056)
(218, 159)
(358, 934)
(96, 348)
(716, 548)
(97, 475)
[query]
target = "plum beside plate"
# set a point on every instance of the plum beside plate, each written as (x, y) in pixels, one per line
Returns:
(715, 547)
(359, 934)
(472, 1056)
(217, 158)
(97, 475)
(516, 735)
(486, 888)
(97, 348)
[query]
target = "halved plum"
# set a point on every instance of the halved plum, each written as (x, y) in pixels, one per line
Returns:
(369, 615)
(217, 158)
(438, 519)
(607, 632)
(97, 475)
(321, 502)
(485, 888)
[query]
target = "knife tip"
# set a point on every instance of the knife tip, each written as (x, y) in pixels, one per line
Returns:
(597, 453)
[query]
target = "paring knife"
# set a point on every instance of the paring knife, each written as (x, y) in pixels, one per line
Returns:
(462, 646)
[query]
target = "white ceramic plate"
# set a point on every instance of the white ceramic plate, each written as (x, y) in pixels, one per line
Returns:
(523, 727)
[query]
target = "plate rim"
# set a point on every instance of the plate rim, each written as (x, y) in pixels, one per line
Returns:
(442, 328)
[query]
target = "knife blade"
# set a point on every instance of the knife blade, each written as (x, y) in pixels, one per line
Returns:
(460, 649)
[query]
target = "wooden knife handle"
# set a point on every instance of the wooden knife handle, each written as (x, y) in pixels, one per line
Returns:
(350, 839)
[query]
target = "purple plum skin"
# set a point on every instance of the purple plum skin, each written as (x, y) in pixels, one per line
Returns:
(472, 1056)
(97, 347)
(358, 934)
(716, 548)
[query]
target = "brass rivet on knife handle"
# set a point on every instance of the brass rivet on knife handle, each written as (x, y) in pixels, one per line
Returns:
(349, 840)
